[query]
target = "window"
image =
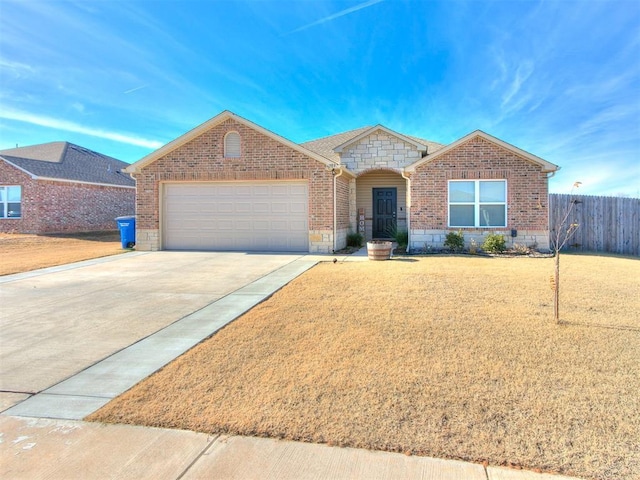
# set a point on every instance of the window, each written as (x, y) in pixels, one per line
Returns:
(477, 203)
(10, 202)
(232, 145)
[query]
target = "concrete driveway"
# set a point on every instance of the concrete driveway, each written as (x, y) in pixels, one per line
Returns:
(56, 322)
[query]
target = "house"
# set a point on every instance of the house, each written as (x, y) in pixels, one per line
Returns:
(61, 187)
(230, 184)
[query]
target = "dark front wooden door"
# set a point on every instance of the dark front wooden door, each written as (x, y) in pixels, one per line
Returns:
(385, 203)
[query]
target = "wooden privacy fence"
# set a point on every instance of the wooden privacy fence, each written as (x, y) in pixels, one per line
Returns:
(606, 224)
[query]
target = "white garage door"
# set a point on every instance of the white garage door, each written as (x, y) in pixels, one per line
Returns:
(251, 216)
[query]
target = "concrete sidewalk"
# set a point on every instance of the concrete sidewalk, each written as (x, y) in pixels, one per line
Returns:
(63, 449)
(42, 437)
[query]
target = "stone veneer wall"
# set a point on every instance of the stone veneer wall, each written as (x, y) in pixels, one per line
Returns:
(262, 158)
(527, 195)
(379, 150)
(425, 240)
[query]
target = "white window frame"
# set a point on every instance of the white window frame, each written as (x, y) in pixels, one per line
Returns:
(227, 152)
(477, 203)
(4, 203)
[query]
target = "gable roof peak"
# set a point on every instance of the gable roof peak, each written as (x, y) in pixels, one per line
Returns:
(547, 167)
(53, 152)
(211, 123)
(420, 146)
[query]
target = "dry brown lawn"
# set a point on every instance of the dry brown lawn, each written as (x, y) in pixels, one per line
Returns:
(22, 253)
(444, 356)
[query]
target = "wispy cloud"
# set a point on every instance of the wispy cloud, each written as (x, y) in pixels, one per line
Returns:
(523, 72)
(341, 13)
(67, 126)
(131, 90)
(79, 107)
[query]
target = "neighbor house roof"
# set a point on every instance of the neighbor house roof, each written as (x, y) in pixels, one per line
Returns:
(547, 167)
(332, 145)
(64, 161)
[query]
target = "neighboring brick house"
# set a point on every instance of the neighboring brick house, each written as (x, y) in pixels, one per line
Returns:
(61, 187)
(230, 184)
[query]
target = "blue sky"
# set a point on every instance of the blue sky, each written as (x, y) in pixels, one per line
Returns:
(559, 79)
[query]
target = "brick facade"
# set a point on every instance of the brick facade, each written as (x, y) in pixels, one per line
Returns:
(57, 206)
(373, 159)
(479, 159)
(262, 158)
(343, 218)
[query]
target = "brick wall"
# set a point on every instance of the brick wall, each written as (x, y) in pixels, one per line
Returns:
(343, 224)
(262, 158)
(55, 207)
(342, 189)
(527, 193)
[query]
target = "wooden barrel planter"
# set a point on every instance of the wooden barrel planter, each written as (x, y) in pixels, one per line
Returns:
(379, 250)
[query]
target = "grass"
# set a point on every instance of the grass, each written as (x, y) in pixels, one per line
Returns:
(446, 356)
(23, 252)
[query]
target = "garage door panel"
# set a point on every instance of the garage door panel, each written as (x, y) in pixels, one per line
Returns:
(248, 216)
(261, 207)
(262, 225)
(278, 207)
(242, 206)
(299, 208)
(283, 191)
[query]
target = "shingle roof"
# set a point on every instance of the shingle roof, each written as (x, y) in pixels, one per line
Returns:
(324, 146)
(66, 161)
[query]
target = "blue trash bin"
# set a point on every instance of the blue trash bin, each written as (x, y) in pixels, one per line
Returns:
(127, 226)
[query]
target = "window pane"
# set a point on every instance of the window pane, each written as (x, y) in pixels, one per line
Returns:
(14, 194)
(462, 191)
(3, 197)
(492, 216)
(492, 191)
(461, 215)
(13, 210)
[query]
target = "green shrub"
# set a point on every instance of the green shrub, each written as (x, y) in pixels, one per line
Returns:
(354, 239)
(454, 241)
(400, 236)
(494, 243)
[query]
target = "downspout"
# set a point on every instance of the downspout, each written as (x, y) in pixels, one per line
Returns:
(408, 212)
(335, 204)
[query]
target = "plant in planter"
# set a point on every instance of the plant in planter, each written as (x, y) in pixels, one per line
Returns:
(401, 237)
(379, 250)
